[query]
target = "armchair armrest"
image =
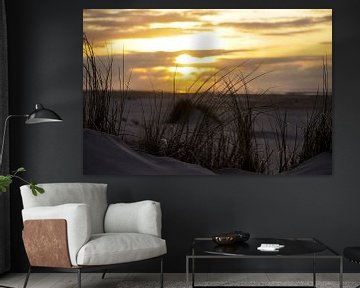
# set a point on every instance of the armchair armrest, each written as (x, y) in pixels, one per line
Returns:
(78, 225)
(138, 217)
(52, 250)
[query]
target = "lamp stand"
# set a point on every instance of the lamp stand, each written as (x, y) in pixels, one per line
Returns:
(4, 135)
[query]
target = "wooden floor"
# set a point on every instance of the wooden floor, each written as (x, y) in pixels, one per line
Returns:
(113, 280)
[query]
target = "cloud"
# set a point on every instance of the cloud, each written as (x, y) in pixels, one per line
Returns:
(213, 52)
(106, 34)
(152, 15)
(103, 25)
(126, 19)
(265, 61)
(269, 25)
(288, 33)
(161, 58)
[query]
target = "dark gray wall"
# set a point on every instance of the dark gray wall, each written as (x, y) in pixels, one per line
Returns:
(45, 47)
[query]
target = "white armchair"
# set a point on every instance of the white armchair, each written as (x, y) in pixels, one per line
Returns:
(72, 228)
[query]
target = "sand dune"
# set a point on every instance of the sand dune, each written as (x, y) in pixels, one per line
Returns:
(318, 165)
(107, 154)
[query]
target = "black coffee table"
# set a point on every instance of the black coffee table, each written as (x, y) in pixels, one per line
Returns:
(295, 248)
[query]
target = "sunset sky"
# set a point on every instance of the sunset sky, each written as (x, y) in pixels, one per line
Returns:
(290, 43)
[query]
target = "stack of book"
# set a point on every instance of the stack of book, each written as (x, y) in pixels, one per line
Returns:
(270, 247)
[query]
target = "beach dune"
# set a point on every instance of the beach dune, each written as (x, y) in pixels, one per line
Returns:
(108, 154)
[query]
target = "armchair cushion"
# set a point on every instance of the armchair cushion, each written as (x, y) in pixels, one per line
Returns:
(113, 248)
(138, 217)
(78, 221)
(92, 194)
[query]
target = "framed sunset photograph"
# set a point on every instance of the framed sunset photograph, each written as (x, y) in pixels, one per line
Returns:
(207, 91)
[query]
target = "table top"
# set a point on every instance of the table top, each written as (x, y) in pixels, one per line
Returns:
(293, 247)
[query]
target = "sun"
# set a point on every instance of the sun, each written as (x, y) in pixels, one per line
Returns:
(186, 59)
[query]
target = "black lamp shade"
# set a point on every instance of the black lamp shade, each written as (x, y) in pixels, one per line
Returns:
(42, 115)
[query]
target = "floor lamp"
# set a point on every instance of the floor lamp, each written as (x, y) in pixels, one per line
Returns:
(39, 115)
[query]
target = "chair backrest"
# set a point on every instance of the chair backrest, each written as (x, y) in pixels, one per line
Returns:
(55, 194)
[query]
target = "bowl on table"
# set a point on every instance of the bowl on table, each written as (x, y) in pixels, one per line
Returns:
(224, 239)
(231, 238)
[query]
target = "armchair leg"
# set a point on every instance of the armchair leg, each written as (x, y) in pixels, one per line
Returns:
(27, 277)
(161, 273)
(103, 275)
(79, 277)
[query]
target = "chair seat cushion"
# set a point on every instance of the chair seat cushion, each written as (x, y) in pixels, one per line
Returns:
(352, 253)
(114, 248)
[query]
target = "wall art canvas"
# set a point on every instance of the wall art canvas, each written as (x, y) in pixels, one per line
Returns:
(207, 92)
